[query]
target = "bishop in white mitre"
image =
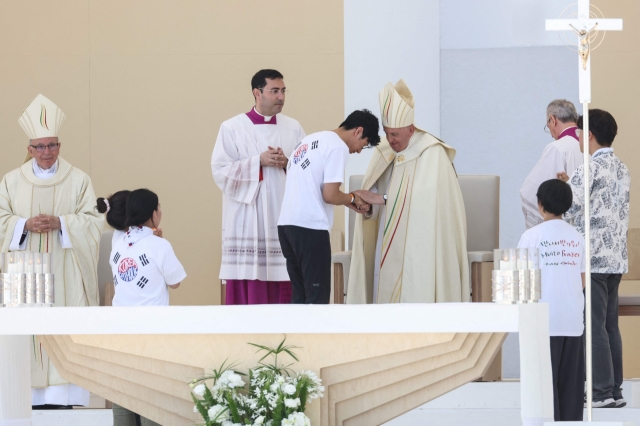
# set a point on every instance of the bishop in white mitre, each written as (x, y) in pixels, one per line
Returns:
(418, 222)
(563, 154)
(249, 166)
(47, 205)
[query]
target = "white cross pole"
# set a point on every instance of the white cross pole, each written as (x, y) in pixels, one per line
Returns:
(585, 24)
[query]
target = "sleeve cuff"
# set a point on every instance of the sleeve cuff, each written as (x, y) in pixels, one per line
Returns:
(65, 241)
(17, 236)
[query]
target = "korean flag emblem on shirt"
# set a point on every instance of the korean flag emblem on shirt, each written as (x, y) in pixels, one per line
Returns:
(300, 153)
(128, 269)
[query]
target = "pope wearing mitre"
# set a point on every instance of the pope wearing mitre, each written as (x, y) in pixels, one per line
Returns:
(417, 224)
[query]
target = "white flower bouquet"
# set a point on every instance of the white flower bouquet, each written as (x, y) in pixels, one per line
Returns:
(276, 396)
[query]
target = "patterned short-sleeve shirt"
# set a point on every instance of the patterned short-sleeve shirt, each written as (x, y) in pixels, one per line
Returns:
(609, 203)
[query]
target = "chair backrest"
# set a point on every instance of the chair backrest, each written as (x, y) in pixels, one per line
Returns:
(633, 251)
(481, 195)
(355, 182)
(104, 269)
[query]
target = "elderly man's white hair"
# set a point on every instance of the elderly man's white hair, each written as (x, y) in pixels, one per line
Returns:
(563, 110)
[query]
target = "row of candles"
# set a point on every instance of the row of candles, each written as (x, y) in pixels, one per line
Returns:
(26, 279)
(516, 276)
(21, 262)
(516, 259)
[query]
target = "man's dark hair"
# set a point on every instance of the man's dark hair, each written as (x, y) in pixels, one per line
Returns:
(555, 196)
(259, 80)
(140, 207)
(602, 125)
(369, 123)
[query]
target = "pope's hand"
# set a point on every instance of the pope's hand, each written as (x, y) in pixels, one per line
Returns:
(361, 204)
(369, 197)
(273, 157)
(562, 176)
(157, 232)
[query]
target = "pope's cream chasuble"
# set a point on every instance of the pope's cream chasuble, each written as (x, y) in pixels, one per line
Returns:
(252, 195)
(68, 194)
(421, 255)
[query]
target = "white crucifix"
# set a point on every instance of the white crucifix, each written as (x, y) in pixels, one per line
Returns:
(583, 26)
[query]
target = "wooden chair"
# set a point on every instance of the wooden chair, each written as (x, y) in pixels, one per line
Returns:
(481, 194)
(629, 294)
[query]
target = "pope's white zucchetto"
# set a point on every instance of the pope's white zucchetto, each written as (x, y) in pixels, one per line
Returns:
(396, 105)
(42, 118)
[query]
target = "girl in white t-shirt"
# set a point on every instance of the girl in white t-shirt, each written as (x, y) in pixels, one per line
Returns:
(143, 264)
(562, 264)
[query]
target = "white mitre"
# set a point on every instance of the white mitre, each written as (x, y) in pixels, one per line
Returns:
(42, 118)
(396, 105)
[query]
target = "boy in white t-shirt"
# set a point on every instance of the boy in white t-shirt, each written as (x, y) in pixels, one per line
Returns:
(314, 175)
(562, 264)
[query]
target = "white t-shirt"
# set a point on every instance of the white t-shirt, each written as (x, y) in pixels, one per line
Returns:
(143, 265)
(562, 260)
(318, 159)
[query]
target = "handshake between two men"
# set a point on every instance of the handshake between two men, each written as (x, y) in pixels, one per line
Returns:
(364, 200)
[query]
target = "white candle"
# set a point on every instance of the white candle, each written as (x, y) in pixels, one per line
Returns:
(29, 267)
(38, 263)
(506, 265)
(46, 263)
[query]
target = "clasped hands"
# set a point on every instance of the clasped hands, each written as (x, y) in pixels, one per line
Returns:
(43, 223)
(273, 157)
(364, 200)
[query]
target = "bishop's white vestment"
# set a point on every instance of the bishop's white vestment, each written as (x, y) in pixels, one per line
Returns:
(69, 195)
(560, 155)
(422, 254)
(252, 194)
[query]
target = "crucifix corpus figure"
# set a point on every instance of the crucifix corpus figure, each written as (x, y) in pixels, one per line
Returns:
(584, 47)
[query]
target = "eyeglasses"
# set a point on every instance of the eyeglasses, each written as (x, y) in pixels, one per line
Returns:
(275, 90)
(53, 147)
(546, 126)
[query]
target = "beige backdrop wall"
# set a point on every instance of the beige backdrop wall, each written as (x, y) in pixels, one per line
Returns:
(616, 88)
(146, 84)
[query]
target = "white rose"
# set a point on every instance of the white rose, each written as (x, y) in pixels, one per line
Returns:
(259, 421)
(218, 413)
(273, 387)
(289, 389)
(291, 403)
(236, 381)
(199, 390)
(280, 379)
(298, 419)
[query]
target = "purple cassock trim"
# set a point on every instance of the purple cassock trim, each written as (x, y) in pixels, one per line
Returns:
(256, 292)
(569, 131)
(259, 119)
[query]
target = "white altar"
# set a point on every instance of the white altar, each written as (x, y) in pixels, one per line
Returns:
(346, 336)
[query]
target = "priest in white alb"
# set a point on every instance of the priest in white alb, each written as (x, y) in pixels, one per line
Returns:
(563, 154)
(418, 222)
(47, 205)
(249, 166)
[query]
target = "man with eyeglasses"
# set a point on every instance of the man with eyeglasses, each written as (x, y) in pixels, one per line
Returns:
(421, 244)
(47, 205)
(561, 155)
(249, 166)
